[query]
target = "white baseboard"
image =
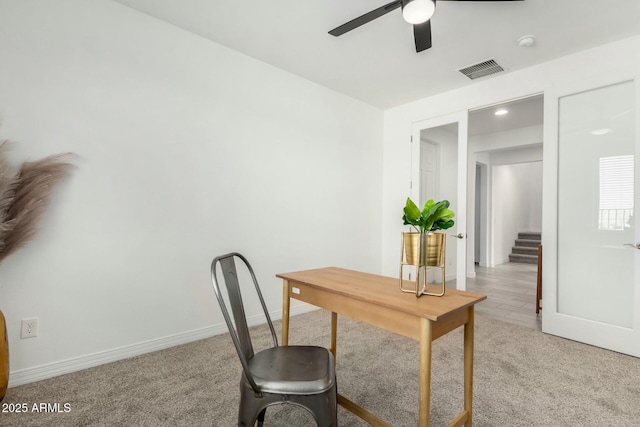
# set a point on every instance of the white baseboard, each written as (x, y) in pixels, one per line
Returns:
(42, 372)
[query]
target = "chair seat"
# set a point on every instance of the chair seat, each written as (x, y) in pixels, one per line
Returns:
(293, 370)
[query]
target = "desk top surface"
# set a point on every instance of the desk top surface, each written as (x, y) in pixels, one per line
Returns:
(383, 291)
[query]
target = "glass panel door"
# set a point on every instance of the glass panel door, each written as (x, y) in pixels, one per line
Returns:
(439, 172)
(596, 148)
(591, 286)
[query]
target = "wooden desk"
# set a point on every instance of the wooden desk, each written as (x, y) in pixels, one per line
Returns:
(378, 301)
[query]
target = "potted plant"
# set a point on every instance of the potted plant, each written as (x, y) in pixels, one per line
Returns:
(424, 247)
(24, 197)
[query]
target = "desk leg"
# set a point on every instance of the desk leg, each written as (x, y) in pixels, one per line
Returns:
(424, 376)
(285, 312)
(334, 333)
(468, 367)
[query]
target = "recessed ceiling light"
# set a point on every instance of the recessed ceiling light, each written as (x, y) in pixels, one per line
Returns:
(501, 112)
(602, 131)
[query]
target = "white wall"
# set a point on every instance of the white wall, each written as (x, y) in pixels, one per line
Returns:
(517, 205)
(534, 80)
(186, 150)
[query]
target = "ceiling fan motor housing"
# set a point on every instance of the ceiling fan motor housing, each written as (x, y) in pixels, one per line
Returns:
(416, 12)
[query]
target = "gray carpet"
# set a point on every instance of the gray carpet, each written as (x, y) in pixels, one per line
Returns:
(522, 378)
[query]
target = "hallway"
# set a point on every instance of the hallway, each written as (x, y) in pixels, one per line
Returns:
(511, 293)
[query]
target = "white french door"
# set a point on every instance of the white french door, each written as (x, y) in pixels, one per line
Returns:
(591, 238)
(446, 136)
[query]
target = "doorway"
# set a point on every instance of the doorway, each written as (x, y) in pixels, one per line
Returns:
(505, 182)
(438, 169)
(438, 181)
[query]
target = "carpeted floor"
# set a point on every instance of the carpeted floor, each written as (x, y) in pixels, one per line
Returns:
(522, 378)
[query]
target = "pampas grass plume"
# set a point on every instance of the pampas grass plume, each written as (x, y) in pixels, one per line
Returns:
(25, 196)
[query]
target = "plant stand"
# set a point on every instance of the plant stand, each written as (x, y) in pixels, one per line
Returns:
(421, 251)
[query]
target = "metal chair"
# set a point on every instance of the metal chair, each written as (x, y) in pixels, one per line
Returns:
(299, 375)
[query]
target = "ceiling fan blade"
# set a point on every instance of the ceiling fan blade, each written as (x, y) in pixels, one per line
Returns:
(367, 17)
(422, 35)
(481, 0)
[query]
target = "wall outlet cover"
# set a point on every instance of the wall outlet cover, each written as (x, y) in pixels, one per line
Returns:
(29, 328)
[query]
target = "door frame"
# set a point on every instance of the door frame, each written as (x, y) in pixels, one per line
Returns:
(461, 118)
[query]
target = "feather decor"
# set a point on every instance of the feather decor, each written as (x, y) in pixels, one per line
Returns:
(8, 181)
(24, 197)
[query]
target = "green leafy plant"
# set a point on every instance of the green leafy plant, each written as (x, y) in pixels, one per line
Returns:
(434, 216)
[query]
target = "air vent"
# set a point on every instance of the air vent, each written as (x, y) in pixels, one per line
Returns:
(481, 69)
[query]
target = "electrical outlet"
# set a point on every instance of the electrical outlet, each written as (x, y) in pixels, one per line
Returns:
(29, 328)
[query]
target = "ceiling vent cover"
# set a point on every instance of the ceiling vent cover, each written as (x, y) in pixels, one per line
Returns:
(481, 69)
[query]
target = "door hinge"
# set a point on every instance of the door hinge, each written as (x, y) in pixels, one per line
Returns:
(411, 138)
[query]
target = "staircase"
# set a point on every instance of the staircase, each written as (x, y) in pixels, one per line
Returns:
(526, 248)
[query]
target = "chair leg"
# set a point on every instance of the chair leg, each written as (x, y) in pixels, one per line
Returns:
(332, 395)
(261, 417)
(248, 410)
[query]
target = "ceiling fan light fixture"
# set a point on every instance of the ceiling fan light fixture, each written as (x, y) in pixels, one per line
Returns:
(418, 11)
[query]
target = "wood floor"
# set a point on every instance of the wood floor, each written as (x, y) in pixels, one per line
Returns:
(511, 293)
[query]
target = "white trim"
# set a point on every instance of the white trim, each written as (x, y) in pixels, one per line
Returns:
(42, 372)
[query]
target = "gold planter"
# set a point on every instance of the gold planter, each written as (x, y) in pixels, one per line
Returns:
(422, 251)
(4, 357)
(433, 253)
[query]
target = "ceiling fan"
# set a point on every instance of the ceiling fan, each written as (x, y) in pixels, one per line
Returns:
(416, 12)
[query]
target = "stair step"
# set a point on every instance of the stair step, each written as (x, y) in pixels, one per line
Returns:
(526, 250)
(530, 235)
(527, 242)
(522, 258)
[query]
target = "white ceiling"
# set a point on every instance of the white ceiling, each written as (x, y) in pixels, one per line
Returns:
(521, 113)
(377, 62)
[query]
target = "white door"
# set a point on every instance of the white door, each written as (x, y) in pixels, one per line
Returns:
(429, 176)
(591, 255)
(429, 172)
(449, 136)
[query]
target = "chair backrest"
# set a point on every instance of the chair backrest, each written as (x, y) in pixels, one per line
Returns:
(240, 332)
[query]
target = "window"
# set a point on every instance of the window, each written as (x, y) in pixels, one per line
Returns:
(616, 192)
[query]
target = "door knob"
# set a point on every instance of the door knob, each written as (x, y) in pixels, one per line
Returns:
(637, 245)
(462, 236)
